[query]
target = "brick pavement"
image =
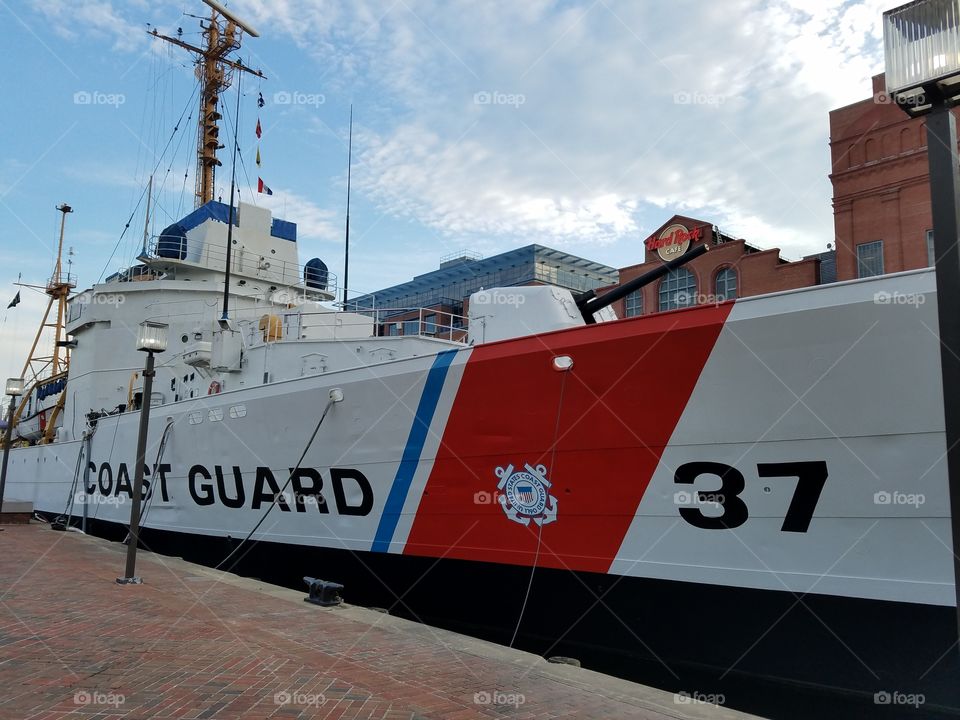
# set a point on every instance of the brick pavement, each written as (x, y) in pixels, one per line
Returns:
(194, 643)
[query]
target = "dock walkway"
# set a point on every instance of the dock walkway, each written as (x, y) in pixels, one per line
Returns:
(195, 643)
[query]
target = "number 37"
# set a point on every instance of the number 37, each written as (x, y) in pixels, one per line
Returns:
(811, 477)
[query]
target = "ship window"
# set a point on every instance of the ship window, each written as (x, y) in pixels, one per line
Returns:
(678, 289)
(726, 284)
(870, 259)
(633, 304)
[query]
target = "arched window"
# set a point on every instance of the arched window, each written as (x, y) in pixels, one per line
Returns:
(678, 289)
(855, 153)
(633, 304)
(727, 284)
(906, 140)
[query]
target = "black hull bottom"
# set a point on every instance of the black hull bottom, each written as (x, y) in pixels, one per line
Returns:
(771, 653)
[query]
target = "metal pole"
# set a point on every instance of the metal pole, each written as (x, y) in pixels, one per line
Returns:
(944, 188)
(233, 185)
(6, 450)
(88, 439)
(130, 577)
(346, 245)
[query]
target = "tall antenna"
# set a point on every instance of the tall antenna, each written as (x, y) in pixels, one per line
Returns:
(233, 185)
(146, 220)
(346, 254)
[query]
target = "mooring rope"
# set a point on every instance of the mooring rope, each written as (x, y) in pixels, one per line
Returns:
(536, 557)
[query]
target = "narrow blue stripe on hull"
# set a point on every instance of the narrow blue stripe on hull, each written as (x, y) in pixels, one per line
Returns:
(411, 453)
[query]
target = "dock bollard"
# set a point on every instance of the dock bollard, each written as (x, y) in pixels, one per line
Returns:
(323, 592)
(560, 660)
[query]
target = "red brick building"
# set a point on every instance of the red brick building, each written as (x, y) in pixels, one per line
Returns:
(732, 268)
(881, 188)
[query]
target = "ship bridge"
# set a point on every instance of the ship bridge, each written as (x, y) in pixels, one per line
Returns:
(264, 249)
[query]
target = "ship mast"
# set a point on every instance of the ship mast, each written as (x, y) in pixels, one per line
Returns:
(221, 37)
(40, 367)
(58, 288)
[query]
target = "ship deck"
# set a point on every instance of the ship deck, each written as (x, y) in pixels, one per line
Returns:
(192, 642)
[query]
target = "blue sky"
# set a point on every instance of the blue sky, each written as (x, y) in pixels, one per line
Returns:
(480, 125)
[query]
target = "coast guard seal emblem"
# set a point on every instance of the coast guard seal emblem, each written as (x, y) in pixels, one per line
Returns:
(525, 495)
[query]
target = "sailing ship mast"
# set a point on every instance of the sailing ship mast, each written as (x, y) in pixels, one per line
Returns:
(221, 37)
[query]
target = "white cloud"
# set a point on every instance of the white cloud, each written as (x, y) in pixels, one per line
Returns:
(629, 111)
(622, 112)
(99, 18)
(313, 222)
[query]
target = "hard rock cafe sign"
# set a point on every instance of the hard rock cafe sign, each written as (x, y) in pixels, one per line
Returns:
(674, 241)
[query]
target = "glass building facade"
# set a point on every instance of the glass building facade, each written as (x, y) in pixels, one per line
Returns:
(458, 278)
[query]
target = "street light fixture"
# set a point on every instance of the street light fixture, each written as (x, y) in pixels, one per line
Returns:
(14, 388)
(922, 49)
(151, 338)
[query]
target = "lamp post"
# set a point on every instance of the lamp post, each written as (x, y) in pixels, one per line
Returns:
(922, 51)
(14, 389)
(151, 338)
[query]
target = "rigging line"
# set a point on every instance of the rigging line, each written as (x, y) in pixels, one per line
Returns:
(71, 497)
(142, 194)
(243, 165)
(113, 444)
(276, 498)
(536, 557)
(163, 181)
(156, 464)
(186, 174)
(166, 174)
(148, 501)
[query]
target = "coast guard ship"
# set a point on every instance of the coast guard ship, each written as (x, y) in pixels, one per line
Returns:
(756, 487)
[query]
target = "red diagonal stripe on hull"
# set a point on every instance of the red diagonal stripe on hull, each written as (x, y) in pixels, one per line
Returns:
(630, 383)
